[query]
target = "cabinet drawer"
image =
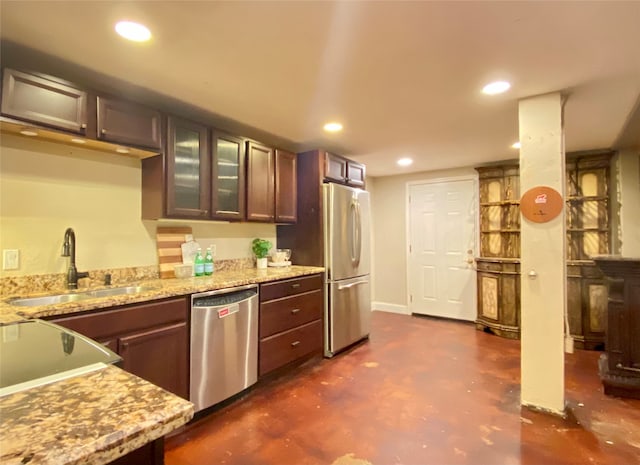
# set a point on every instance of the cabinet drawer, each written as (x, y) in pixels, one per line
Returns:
(283, 314)
(125, 320)
(289, 287)
(278, 350)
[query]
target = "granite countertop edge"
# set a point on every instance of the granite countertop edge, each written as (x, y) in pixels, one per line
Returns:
(88, 419)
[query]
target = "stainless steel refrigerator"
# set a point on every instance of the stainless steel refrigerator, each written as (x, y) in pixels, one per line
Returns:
(348, 266)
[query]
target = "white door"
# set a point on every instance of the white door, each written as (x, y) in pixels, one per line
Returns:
(442, 244)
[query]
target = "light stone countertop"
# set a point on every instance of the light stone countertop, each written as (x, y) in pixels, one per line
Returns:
(98, 417)
(89, 419)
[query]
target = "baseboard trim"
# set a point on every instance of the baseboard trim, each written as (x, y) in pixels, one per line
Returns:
(391, 308)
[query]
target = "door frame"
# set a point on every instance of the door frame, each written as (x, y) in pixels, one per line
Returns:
(476, 224)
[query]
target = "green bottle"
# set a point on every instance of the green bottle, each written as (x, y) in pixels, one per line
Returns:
(208, 263)
(198, 263)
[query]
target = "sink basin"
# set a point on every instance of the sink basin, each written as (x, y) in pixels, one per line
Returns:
(47, 300)
(62, 298)
(117, 291)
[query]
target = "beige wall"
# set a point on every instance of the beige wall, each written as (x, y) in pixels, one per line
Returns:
(47, 187)
(388, 201)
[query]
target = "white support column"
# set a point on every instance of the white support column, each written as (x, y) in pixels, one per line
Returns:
(543, 296)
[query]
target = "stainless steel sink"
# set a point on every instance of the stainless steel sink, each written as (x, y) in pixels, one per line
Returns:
(118, 291)
(62, 298)
(47, 300)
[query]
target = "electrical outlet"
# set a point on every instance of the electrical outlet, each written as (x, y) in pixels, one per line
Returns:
(10, 259)
(213, 250)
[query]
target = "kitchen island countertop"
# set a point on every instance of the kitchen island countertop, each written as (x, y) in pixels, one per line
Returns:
(90, 419)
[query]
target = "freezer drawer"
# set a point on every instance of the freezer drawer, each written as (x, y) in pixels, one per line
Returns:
(348, 313)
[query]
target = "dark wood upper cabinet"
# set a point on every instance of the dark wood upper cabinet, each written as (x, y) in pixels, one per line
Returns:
(227, 177)
(260, 183)
(188, 178)
(344, 171)
(44, 100)
(286, 187)
(355, 174)
(335, 168)
(128, 123)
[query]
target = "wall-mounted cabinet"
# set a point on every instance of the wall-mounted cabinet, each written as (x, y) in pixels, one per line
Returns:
(45, 100)
(342, 170)
(55, 110)
(260, 183)
(286, 188)
(228, 177)
(128, 123)
(188, 178)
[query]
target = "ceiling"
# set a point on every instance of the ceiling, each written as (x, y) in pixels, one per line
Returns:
(403, 77)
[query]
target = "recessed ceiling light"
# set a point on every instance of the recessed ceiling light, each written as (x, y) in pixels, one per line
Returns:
(78, 141)
(404, 162)
(497, 87)
(516, 145)
(133, 31)
(122, 150)
(28, 132)
(333, 127)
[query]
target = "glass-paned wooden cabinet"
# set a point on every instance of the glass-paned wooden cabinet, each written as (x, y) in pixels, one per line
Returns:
(498, 264)
(187, 170)
(588, 234)
(228, 179)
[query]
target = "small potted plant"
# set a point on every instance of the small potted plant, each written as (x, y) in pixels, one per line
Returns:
(260, 249)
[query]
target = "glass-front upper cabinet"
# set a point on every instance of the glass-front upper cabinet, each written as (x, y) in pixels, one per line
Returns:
(227, 176)
(187, 170)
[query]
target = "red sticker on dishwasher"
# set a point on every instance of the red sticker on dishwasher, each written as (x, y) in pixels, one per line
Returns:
(223, 312)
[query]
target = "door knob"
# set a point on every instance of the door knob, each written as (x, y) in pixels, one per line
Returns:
(533, 274)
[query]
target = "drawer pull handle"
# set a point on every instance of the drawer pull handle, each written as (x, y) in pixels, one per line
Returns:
(295, 286)
(295, 310)
(295, 343)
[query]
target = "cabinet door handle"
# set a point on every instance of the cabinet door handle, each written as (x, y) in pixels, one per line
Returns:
(295, 286)
(295, 310)
(295, 343)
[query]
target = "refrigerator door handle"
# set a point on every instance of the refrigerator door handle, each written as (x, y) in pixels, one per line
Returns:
(347, 286)
(353, 225)
(358, 234)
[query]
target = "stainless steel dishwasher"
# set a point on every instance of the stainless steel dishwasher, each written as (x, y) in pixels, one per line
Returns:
(224, 344)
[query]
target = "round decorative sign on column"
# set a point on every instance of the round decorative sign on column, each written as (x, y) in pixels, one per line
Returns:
(541, 204)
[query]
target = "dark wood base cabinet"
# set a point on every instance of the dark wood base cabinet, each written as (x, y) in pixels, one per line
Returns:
(149, 454)
(152, 338)
(291, 327)
(620, 364)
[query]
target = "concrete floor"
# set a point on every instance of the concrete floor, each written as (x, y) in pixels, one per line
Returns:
(421, 391)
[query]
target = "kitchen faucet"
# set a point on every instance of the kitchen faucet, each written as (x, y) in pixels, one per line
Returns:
(69, 250)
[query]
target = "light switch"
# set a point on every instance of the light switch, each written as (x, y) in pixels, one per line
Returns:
(10, 259)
